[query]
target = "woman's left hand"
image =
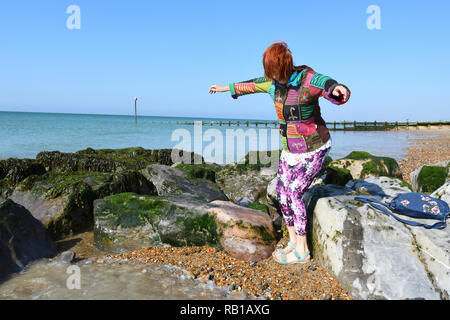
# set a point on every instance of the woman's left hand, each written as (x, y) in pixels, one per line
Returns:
(340, 91)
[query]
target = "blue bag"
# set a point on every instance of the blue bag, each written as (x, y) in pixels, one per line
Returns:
(415, 205)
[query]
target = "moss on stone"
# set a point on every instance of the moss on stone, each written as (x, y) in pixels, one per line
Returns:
(259, 206)
(431, 178)
(338, 176)
(199, 171)
(267, 237)
(359, 155)
(129, 210)
(406, 184)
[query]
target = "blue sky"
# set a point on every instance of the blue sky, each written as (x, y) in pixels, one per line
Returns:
(168, 54)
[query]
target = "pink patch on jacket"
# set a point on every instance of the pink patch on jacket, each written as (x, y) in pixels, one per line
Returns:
(308, 126)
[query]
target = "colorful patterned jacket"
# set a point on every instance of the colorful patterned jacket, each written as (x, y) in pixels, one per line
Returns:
(301, 125)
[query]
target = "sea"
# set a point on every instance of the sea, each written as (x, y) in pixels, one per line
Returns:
(25, 134)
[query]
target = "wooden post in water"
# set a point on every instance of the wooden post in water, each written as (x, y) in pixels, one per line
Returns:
(135, 110)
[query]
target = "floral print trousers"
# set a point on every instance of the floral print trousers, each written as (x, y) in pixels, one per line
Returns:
(292, 182)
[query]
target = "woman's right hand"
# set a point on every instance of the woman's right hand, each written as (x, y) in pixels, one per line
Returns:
(216, 88)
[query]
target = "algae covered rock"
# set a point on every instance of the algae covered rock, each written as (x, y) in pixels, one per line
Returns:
(109, 160)
(246, 181)
(170, 180)
(429, 178)
(246, 234)
(128, 221)
(15, 170)
(125, 222)
(64, 202)
(23, 239)
(362, 165)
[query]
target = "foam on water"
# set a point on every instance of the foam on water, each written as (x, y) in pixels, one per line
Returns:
(46, 279)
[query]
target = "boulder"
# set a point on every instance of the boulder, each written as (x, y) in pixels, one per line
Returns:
(246, 234)
(127, 221)
(427, 179)
(362, 165)
(23, 239)
(370, 253)
(15, 170)
(64, 202)
(109, 160)
(244, 185)
(170, 180)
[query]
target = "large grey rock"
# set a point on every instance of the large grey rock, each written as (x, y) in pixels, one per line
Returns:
(23, 239)
(170, 180)
(370, 253)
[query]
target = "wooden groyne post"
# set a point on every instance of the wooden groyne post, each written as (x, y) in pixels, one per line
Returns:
(135, 110)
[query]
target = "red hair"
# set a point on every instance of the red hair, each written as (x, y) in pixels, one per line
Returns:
(278, 62)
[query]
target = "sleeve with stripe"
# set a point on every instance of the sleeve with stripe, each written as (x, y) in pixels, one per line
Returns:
(326, 86)
(256, 85)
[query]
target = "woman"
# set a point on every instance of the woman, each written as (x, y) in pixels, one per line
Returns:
(305, 139)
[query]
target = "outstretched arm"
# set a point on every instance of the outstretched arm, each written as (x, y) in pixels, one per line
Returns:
(238, 89)
(328, 88)
(255, 85)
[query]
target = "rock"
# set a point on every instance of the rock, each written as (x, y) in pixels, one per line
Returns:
(16, 170)
(244, 201)
(247, 234)
(23, 239)
(334, 175)
(443, 192)
(109, 160)
(244, 183)
(363, 165)
(379, 186)
(373, 255)
(64, 202)
(248, 179)
(61, 162)
(126, 222)
(429, 178)
(271, 192)
(66, 257)
(169, 180)
(202, 171)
